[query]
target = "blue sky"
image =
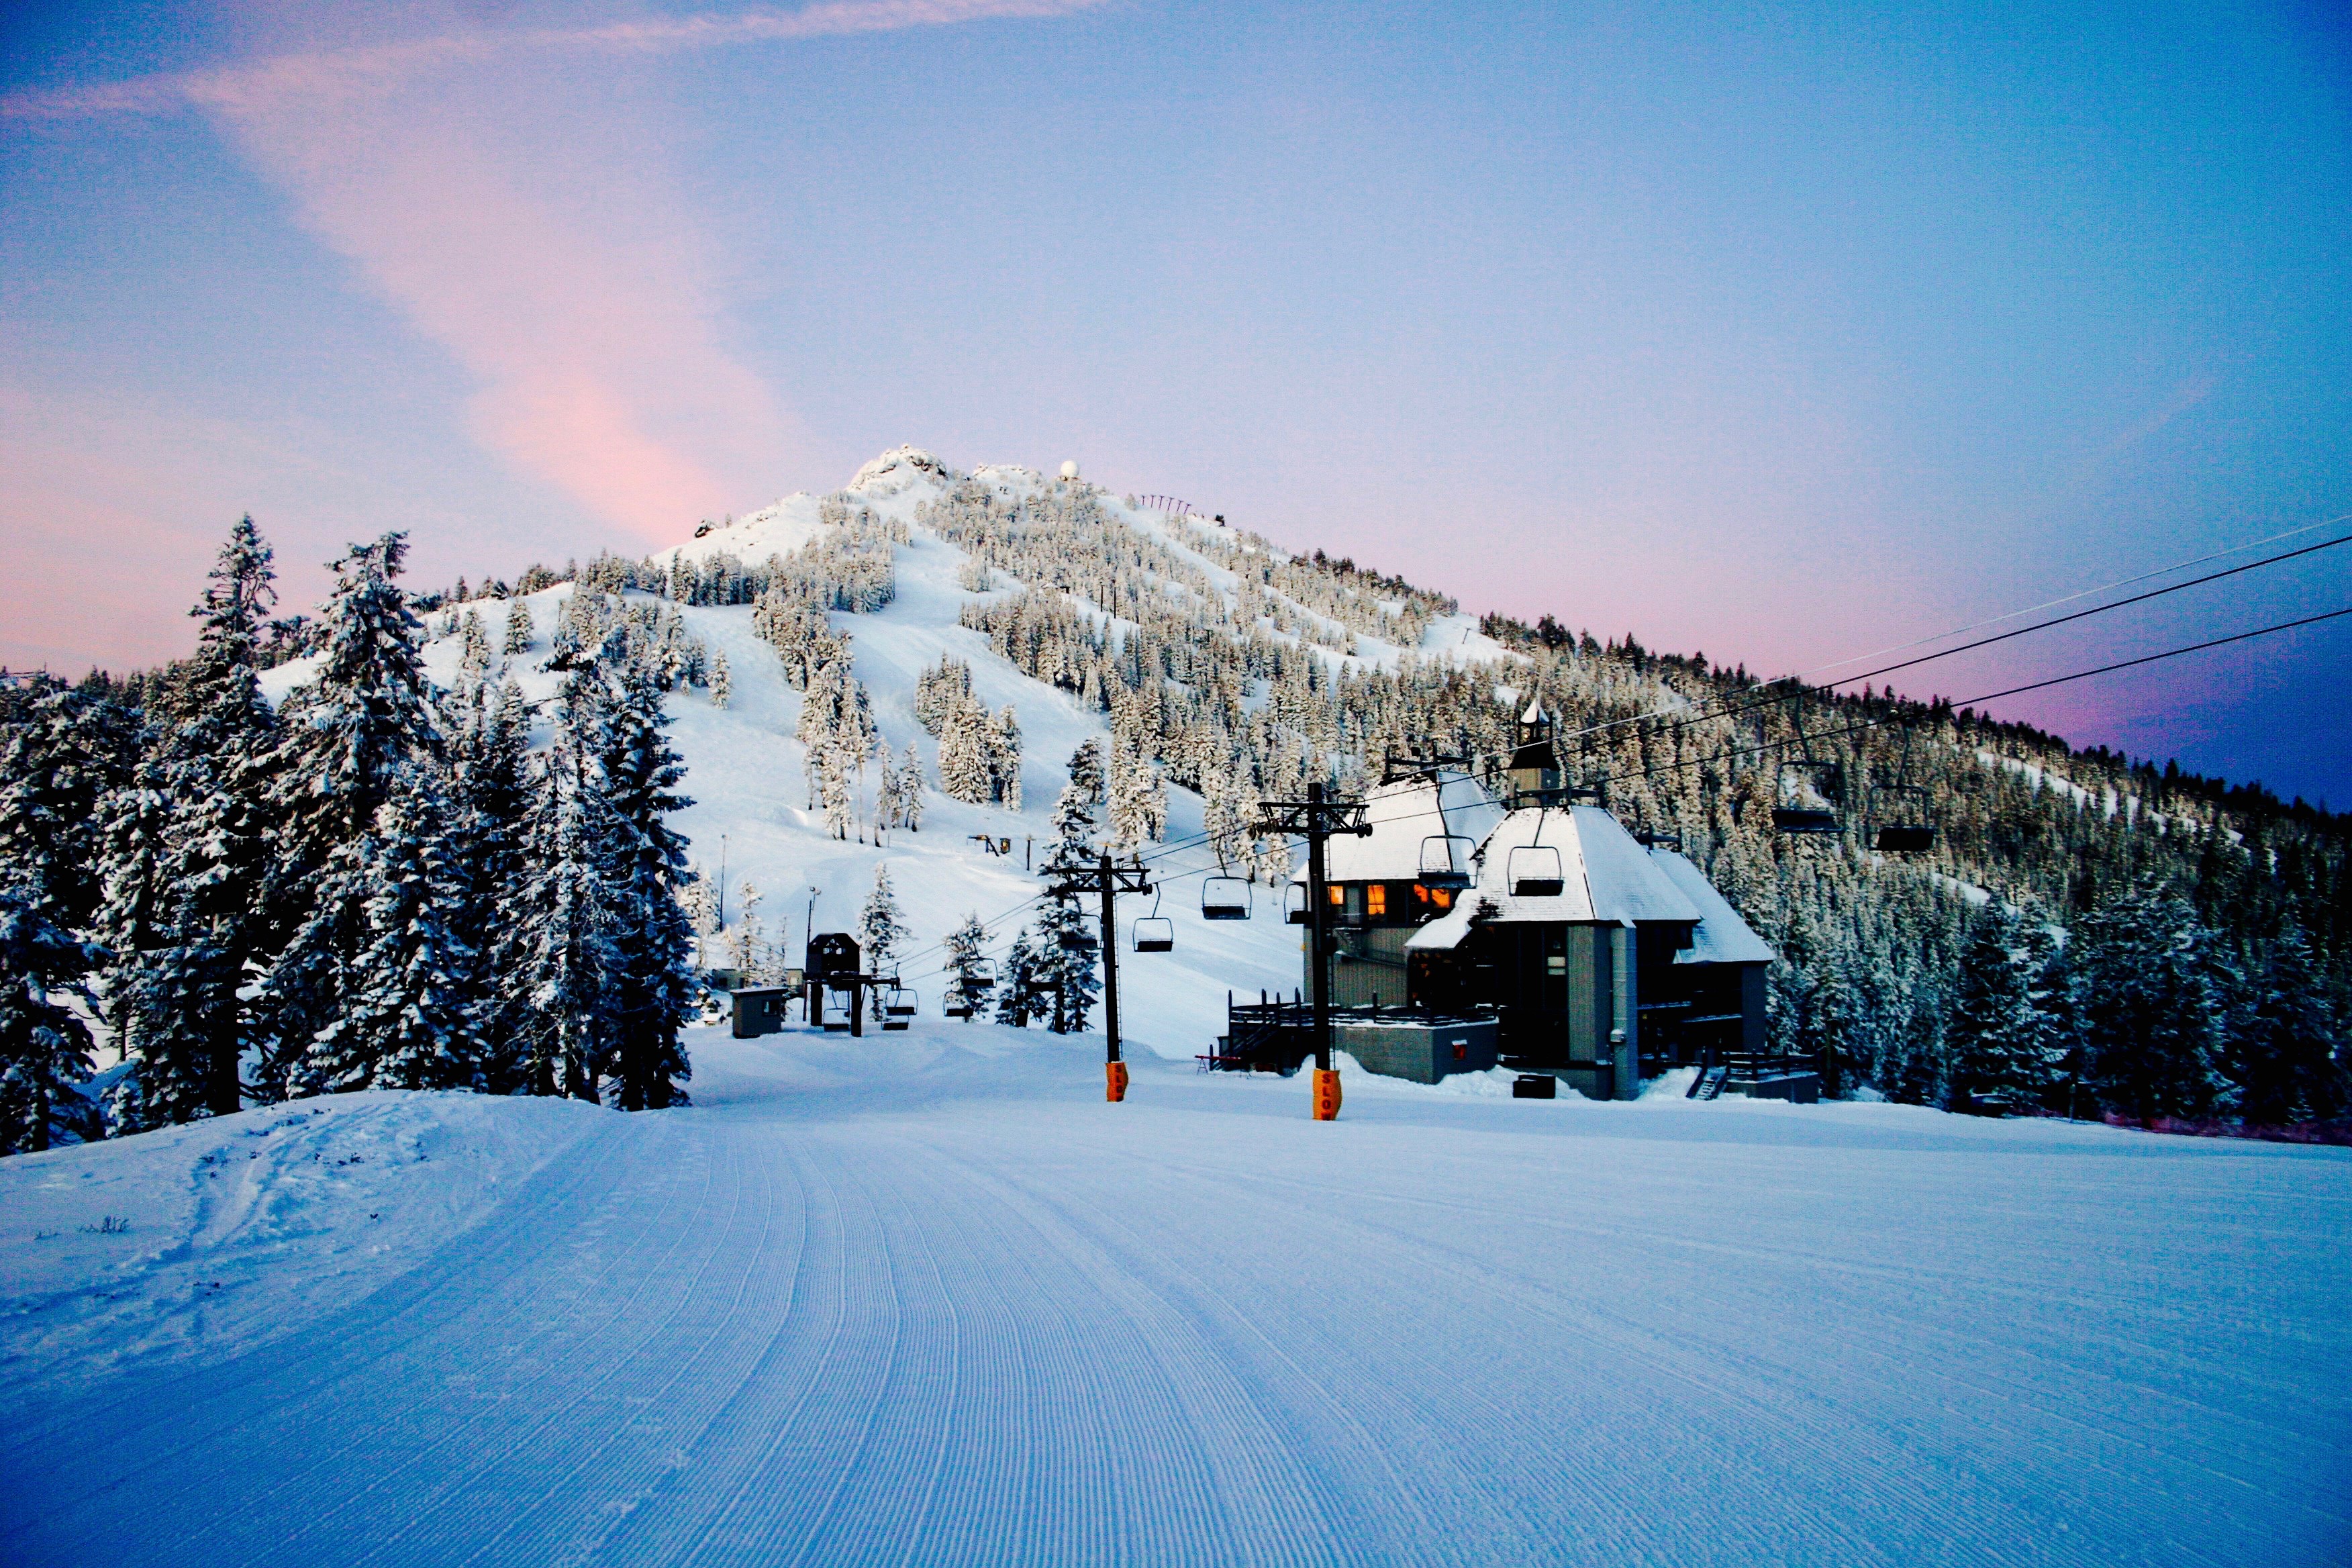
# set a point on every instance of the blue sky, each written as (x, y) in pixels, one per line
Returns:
(1783, 334)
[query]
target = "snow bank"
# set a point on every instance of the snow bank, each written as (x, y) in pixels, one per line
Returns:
(200, 1242)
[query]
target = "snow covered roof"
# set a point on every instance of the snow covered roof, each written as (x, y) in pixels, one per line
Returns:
(1403, 813)
(1722, 937)
(1603, 874)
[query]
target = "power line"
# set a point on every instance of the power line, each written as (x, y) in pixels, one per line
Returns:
(1730, 710)
(2082, 593)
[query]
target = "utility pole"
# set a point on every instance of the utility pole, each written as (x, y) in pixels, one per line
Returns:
(722, 882)
(1109, 880)
(1316, 820)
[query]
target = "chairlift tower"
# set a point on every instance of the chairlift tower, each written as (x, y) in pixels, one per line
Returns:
(1107, 879)
(1317, 820)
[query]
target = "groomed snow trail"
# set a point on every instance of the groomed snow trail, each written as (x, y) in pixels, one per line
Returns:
(926, 1299)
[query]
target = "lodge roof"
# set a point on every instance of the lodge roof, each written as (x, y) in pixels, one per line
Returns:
(1605, 876)
(1401, 814)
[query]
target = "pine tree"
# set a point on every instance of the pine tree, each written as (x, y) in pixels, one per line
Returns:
(965, 772)
(1073, 821)
(880, 926)
(410, 1016)
(646, 862)
(911, 791)
(2150, 991)
(565, 985)
(348, 739)
(1017, 999)
(748, 946)
(699, 899)
(219, 770)
(1066, 949)
(1996, 1032)
(520, 631)
(966, 964)
(2291, 1061)
(474, 656)
(44, 1044)
(488, 823)
(722, 681)
(1005, 759)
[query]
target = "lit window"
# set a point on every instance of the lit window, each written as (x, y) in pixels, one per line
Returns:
(1376, 899)
(1336, 893)
(1442, 897)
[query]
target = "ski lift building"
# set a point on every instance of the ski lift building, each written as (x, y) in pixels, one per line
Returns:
(1384, 887)
(1603, 959)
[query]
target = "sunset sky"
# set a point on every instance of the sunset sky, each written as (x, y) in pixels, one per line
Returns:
(1785, 334)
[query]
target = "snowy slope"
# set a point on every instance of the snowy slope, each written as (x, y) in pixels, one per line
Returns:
(926, 1299)
(745, 773)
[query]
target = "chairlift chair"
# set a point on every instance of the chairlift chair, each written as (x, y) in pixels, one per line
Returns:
(1224, 898)
(1294, 904)
(1445, 861)
(1810, 789)
(955, 1004)
(1905, 825)
(1808, 794)
(897, 1002)
(1912, 830)
(1535, 872)
(1154, 932)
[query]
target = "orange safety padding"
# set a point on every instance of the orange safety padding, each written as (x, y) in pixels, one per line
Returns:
(1115, 1080)
(1327, 1094)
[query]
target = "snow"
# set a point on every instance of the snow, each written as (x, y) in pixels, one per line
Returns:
(1403, 813)
(1605, 876)
(223, 1221)
(926, 1299)
(1720, 936)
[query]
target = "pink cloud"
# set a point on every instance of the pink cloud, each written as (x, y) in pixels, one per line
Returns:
(509, 210)
(371, 69)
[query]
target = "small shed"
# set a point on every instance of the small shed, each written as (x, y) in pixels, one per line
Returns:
(759, 1009)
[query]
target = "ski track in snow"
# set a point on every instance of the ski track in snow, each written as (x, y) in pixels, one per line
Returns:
(924, 1298)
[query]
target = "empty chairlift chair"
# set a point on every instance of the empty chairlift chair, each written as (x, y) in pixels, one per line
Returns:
(1906, 825)
(1445, 861)
(1155, 933)
(898, 1006)
(1225, 899)
(1294, 904)
(1808, 796)
(1536, 872)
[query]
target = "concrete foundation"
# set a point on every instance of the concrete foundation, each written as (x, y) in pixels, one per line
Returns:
(1796, 1088)
(1422, 1050)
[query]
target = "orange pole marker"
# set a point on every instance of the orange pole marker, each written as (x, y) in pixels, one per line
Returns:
(1327, 1094)
(1115, 1080)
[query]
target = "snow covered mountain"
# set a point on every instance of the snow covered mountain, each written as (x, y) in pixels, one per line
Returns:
(747, 771)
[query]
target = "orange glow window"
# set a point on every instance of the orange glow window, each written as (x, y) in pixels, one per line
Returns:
(1376, 898)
